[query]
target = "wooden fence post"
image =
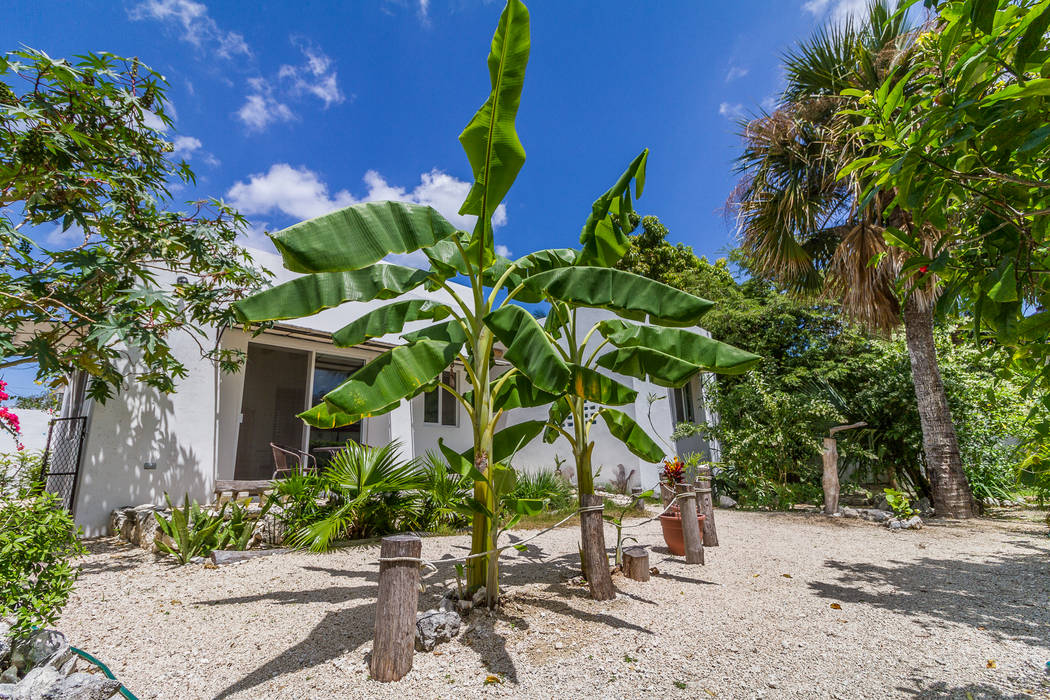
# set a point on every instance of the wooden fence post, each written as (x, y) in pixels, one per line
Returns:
(396, 608)
(636, 563)
(595, 560)
(694, 542)
(707, 505)
(831, 476)
(639, 503)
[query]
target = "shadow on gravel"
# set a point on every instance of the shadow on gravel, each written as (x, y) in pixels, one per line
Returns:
(942, 691)
(122, 557)
(1003, 594)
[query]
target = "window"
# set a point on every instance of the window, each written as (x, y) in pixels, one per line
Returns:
(684, 407)
(439, 406)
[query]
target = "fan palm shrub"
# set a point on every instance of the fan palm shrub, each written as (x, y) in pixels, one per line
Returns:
(807, 221)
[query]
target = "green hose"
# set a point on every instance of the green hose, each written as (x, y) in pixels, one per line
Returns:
(105, 669)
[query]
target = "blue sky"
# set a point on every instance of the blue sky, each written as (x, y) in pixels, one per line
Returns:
(290, 109)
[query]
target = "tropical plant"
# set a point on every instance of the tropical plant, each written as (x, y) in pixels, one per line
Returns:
(38, 542)
(673, 472)
(617, 522)
(299, 499)
(899, 502)
(809, 220)
(444, 496)
(967, 148)
(192, 531)
(85, 160)
(20, 471)
(545, 485)
(237, 531)
(369, 491)
(341, 255)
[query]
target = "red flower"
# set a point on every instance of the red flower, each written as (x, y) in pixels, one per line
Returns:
(673, 472)
(923, 269)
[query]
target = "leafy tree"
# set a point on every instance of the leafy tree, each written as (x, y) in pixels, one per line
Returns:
(966, 147)
(807, 221)
(84, 159)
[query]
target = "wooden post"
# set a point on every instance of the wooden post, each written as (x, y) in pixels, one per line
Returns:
(831, 476)
(707, 505)
(639, 503)
(595, 560)
(636, 563)
(694, 542)
(396, 608)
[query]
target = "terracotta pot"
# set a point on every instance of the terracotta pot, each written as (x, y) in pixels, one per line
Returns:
(672, 527)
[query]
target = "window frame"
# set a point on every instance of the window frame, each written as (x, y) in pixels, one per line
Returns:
(445, 402)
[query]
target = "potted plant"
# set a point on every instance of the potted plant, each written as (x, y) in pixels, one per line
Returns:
(671, 522)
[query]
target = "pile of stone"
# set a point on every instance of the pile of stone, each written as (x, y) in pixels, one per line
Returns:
(43, 667)
(441, 624)
(138, 525)
(877, 515)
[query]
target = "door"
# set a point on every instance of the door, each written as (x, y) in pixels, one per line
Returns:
(330, 372)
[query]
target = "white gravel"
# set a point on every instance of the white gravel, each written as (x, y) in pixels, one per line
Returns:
(790, 606)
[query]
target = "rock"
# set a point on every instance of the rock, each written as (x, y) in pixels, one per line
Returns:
(435, 627)
(725, 501)
(913, 523)
(7, 690)
(68, 667)
(875, 514)
(5, 642)
(559, 645)
(464, 606)
(82, 686)
(850, 512)
(895, 524)
(43, 647)
(36, 683)
(10, 675)
(480, 598)
(448, 605)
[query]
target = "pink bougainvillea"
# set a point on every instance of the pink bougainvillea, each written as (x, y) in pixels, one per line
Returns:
(8, 420)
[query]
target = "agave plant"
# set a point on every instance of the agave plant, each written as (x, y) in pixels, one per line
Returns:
(368, 489)
(192, 531)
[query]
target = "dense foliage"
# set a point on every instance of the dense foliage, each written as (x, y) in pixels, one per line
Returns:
(90, 250)
(38, 542)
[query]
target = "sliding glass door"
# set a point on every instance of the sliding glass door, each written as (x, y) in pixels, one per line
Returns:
(330, 372)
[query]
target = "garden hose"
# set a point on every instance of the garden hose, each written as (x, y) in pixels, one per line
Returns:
(105, 669)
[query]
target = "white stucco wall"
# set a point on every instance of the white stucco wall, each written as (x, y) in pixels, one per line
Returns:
(33, 424)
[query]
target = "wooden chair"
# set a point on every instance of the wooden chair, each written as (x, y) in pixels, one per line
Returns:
(288, 461)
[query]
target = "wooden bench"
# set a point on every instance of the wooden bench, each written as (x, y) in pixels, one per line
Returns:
(237, 487)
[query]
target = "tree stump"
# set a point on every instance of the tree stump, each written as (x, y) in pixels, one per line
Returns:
(694, 542)
(595, 560)
(639, 503)
(636, 563)
(831, 476)
(396, 608)
(707, 505)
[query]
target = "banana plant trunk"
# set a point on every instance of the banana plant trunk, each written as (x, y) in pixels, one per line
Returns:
(952, 497)
(592, 548)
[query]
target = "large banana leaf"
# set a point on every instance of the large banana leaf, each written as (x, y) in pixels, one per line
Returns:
(694, 348)
(389, 319)
(399, 373)
(534, 264)
(603, 239)
(599, 388)
(490, 139)
(516, 392)
(557, 414)
(448, 332)
(528, 348)
(360, 235)
(624, 293)
(325, 417)
(509, 440)
(624, 429)
(305, 296)
(646, 363)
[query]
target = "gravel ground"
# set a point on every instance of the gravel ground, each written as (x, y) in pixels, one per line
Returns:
(790, 606)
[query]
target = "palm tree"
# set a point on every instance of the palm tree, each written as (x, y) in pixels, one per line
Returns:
(808, 223)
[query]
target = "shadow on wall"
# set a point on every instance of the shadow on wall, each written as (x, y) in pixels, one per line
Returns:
(136, 427)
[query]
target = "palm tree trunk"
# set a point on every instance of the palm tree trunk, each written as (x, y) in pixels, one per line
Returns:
(952, 497)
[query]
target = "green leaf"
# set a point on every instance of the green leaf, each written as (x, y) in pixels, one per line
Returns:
(694, 348)
(509, 440)
(307, 295)
(399, 373)
(449, 332)
(982, 14)
(624, 429)
(603, 240)
(388, 319)
(648, 364)
(528, 348)
(490, 139)
(1032, 38)
(599, 388)
(518, 391)
(1005, 288)
(525, 506)
(325, 417)
(624, 293)
(360, 235)
(559, 411)
(459, 464)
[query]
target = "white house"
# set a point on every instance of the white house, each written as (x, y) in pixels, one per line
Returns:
(141, 443)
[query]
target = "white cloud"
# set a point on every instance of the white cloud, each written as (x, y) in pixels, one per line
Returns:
(197, 26)
(185, 146)
(502, 250)
(732, 111)
(769, 103)
(736, 72)
(301, 194)
(837, 10)
(424, 8)
(57, 238)
(261, 108)
(314, 77)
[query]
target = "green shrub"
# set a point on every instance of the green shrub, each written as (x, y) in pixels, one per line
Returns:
(38, 542)
(443, 497)
(900, 503)
(193, 531)
(19, 470)
(545, 484)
